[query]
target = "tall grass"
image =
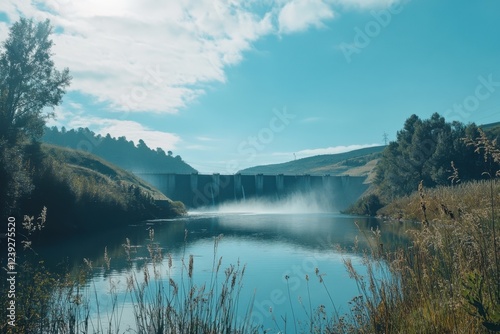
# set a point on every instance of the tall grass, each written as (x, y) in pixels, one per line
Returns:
(159, 301)
(448, 279)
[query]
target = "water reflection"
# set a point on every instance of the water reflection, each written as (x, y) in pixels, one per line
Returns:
(272, 246)
(320, 232)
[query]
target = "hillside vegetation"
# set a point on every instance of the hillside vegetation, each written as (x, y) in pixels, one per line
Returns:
(118, 151)
(84, 192)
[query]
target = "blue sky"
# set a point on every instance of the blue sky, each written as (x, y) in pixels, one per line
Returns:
(233, 84)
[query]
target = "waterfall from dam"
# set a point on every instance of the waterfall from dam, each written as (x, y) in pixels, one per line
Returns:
(325, 192)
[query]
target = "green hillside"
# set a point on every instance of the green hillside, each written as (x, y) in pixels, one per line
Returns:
(83, 192)
(360, 162)
(355, 163)
(493, 129)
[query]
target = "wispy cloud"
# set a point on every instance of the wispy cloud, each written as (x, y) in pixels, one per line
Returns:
(146, 55)
(312, 119)
(326, 150)
(206, 139)
(117, 128)
(197, 147)
(365, 4)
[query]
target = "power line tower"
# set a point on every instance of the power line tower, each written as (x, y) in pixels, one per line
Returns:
(385, 138)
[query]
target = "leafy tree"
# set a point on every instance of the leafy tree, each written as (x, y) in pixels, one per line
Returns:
(423, 151)
(28, 80)
(28, 84)
(142, 146)
(160, 151)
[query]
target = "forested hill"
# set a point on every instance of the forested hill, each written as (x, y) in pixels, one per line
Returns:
(119, 151)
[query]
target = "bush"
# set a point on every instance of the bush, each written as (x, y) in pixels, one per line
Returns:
(366, 206)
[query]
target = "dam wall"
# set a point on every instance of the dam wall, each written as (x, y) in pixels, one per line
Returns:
(204, 190)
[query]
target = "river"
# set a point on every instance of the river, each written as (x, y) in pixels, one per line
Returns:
(284, 249)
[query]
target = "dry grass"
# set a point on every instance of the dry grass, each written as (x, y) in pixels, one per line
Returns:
(161, 303)
(446, 204)
(447, 280)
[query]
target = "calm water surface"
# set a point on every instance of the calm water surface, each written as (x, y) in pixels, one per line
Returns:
(272, 246)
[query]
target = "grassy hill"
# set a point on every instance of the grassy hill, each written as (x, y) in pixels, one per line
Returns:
(83, 192)
(493, 129)
(355, 163)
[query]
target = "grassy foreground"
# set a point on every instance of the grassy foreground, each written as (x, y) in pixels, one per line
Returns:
(50, 303)
(448, 280)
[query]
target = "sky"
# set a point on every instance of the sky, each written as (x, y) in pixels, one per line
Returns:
(230, 84)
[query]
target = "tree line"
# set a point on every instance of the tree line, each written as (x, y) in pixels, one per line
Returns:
(119, 151)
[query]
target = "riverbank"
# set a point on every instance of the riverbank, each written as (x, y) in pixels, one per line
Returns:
(448, 280)
(442, 281)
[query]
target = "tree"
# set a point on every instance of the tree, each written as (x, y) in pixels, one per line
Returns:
(423, 151)
(141, 146)
(160, 152)
(28, 84)
(28, 80)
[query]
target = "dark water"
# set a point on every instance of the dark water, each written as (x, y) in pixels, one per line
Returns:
(273, 243)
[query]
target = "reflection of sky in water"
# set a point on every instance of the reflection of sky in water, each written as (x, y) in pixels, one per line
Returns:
(271, 246)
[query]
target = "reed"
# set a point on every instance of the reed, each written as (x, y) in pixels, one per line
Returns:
(448, 279)
(161, 303)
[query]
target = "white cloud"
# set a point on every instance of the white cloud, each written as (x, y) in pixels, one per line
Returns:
(196, 147)
(155, 56)
(299, 15)
(146, 55)
(326, 150)
(135, 131)
(129, 129)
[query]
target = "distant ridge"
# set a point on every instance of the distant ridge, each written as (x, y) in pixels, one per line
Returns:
(490, 126)
(356, 163)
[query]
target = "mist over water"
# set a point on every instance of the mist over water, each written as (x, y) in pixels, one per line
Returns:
(296, 203)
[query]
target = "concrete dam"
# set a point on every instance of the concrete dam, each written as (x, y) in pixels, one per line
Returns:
(205, 190)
